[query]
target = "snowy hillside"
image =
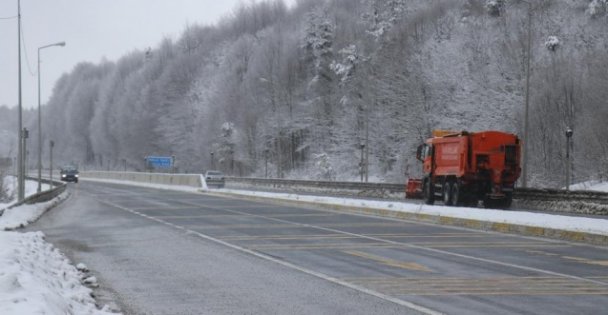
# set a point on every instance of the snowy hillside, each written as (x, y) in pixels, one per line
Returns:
(296, 93)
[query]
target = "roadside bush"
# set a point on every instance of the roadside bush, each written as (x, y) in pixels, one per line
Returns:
(6, 194)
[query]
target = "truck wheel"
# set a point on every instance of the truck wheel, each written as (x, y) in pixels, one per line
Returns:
(508, 200)
(457, 197)
(447, 193)
(490, 203)
(428, 191)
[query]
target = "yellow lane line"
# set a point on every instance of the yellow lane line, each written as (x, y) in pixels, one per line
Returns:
(224, 216)
(164, 208)
(291, 225)
(304, 246)
(588, 261)
(389, 262)
(511, 293)
(338, 236)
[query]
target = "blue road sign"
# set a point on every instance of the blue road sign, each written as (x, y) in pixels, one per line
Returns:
(159, 161)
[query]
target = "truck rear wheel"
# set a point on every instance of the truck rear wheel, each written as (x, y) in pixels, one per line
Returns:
(428, 191)
(457, 196)
(447, 193)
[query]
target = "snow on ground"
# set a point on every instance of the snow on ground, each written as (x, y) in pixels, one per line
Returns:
(591, 185)
(519, 217)
(31, 187)
(25, 214)
(35, 278)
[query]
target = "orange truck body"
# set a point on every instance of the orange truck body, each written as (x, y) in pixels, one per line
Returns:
(464, 167)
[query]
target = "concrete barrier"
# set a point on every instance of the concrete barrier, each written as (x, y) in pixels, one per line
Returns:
(188, 180)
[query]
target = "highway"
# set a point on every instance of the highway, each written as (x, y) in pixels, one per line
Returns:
(168, 252)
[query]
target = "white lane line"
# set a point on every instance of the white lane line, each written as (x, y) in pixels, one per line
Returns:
(439, 251)
(413, 306)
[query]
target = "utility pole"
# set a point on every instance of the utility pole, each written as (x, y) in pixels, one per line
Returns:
(527, 105)
(21, 177)
(40, 117)
(362, 146)
(569, 134)
(52, 144)
(265, 163)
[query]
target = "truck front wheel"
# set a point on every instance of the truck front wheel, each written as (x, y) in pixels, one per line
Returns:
(428, 191)
(447, 193)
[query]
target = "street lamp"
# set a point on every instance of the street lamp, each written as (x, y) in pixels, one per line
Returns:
(40, 117)
(569, 134)
(20, 175)
(527, 105)
(212, 161)
(361, 169)
(52, 145)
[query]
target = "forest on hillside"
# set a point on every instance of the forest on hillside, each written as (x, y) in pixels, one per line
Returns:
(311, 91)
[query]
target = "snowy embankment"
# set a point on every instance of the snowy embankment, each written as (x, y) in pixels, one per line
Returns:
(35, 278)
(591, 185)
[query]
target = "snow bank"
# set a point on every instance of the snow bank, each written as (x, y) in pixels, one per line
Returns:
(25, 214)
(591, 185)
(36, 279)
(31, 187)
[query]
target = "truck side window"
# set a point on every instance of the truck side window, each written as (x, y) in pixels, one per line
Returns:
(427, 151)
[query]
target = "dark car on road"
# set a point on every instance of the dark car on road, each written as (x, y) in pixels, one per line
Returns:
(214, 179)
(69, 174)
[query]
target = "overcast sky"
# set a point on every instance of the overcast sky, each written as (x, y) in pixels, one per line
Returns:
(92, 29)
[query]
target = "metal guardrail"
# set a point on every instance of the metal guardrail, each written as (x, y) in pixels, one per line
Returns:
(284, 183)
(519, 193)
(43, 196)
(560, 194)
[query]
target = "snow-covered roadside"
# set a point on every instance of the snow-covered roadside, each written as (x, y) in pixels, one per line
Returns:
(35, 278)
(31, 187)
(518, 217)
(25, 214)
(593, 185)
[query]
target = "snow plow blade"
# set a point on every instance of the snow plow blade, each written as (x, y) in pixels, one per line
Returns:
(413, 189)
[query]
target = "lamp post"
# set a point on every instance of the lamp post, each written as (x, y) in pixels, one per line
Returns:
(40, 117)
(265, 163)
(569, 134)
(20, 162)
(212, 161)
(52, 144)
(361, 169)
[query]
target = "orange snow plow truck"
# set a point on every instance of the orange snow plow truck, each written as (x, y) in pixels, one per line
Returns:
(461, 168)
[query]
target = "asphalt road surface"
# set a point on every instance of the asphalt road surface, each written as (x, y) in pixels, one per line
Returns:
(167, 252)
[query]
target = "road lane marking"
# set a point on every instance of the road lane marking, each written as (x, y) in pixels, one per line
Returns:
(481, 286)
(433, 250)
(388, 261)
(382, 296)
(587, 261)
(590, 280)
(342, 236)
(200, 216)
(338, 246)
